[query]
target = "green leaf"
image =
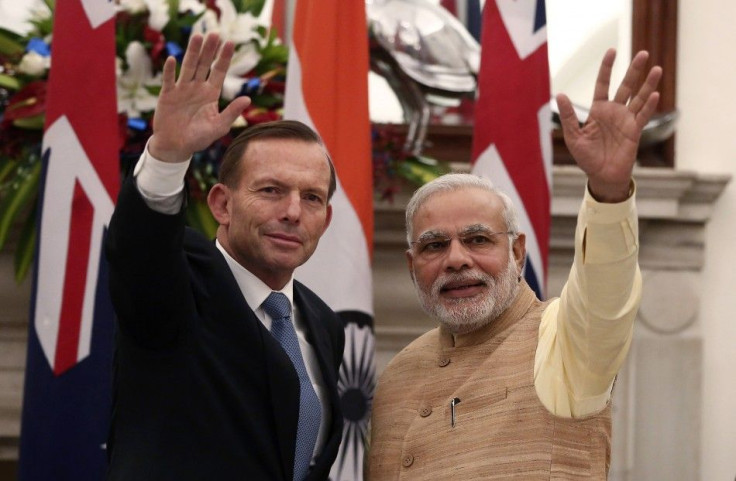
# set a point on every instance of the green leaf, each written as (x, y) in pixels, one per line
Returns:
(189, 21)
(267, 101)
(51, 4)
(22, 191)
(275, 53)
(8, 82)
(43, 26)
(421, 170)
(7, 166)
(10, 43)
(33, 123)
(254, 6)
(199, 217)
(153, 89)
(26, 245)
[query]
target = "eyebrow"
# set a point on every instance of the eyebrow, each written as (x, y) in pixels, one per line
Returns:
(258, 183)
(432, 234)
(475, 229)
(465, 231)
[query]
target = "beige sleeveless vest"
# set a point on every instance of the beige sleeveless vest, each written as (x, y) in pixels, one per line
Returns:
(501, 430)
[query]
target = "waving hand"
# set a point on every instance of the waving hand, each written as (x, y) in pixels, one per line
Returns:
(187, 117)
(605, 146)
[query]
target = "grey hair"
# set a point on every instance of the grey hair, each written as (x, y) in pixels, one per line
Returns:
(455, 182)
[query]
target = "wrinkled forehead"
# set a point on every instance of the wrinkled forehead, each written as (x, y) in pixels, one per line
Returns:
(458, 211)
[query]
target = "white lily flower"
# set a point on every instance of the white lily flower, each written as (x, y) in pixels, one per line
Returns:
(231, 25)
(207, 23)
(132, 6)
(244, 60)
(40, 12)
(34, 64)
(238, 27)
(158, 14)
(158, 11)
(133, 97)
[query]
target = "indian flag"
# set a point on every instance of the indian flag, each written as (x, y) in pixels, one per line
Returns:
(327, 89)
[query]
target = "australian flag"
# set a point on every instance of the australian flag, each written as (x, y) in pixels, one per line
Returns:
(512, 143)
(67, 384)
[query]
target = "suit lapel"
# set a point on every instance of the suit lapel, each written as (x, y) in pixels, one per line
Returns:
(320, 339)
(282, 378)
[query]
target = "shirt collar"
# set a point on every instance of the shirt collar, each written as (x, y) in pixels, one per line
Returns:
(254, 290)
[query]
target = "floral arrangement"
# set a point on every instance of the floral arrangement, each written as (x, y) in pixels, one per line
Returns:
(394, 166)
(147, 31)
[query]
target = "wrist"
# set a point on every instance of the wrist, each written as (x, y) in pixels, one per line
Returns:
(167, 153)
(611, 193)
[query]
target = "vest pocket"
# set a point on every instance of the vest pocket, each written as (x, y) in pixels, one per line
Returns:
(474, 407)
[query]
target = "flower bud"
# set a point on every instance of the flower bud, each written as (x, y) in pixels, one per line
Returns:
(33, 64)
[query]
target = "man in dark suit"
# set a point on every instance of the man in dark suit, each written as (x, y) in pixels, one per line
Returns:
(225, 366)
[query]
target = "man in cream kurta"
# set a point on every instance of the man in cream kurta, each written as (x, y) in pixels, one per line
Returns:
(509, 386)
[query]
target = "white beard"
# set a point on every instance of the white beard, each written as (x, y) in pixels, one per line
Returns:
(468, 314)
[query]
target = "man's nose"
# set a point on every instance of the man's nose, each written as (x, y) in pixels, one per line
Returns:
(293, 207)
(457, 256)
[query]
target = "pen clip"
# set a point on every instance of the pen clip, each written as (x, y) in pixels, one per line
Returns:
(454, 402)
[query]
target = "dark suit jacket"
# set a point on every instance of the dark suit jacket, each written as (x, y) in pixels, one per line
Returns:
(201, 389)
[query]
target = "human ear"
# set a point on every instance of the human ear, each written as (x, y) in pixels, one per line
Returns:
(218, 200)
(410, 263)
(328, 218)
(519, 249)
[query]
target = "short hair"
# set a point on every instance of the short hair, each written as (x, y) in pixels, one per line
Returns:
(455, 182)
(279, 129)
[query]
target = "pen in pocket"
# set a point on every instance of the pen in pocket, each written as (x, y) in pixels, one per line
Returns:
(454, 402)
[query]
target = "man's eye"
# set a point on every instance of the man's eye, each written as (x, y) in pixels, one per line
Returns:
(434, 246)
(270, 190)
(313, 198)
(477, 240)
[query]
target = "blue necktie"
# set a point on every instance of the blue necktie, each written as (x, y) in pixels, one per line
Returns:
(278, 307)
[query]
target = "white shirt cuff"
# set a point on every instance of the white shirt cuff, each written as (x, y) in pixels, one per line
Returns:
(161, 183)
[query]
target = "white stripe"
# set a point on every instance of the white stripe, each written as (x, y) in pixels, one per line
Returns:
(518, 16)
(339, 271)
(67, 163)
(490, 165)
(98, 11)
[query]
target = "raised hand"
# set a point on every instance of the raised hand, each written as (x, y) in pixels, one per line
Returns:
(187, 116)
(605, 146)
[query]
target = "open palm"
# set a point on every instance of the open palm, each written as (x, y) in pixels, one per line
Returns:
(187, 116)
(605, 146)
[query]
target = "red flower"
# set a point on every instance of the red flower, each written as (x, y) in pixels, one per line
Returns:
(258, 115)
(29, 101)
(158, 44)
(212, 5)
(274, 87)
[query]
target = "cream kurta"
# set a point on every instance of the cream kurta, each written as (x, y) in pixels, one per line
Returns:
(520, 379)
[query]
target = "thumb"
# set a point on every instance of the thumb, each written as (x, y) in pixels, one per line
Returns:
(234, 108)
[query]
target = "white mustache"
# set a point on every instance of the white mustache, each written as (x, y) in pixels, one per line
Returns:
(464, 277)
